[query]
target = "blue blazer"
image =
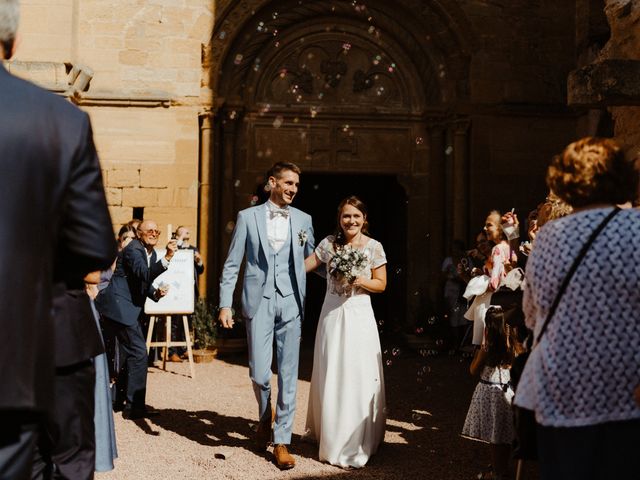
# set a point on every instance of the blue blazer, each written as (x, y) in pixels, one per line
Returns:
(123, 299)
(250, 241)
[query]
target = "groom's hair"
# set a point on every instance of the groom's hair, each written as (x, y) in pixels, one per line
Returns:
(277, 169)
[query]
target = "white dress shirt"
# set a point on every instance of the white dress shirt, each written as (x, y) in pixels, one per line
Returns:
(161, 259)
(277, 226)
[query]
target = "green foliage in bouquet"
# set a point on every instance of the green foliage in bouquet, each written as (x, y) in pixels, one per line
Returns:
(204, 324)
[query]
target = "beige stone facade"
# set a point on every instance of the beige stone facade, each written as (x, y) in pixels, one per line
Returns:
(461, 103)
(145, 95)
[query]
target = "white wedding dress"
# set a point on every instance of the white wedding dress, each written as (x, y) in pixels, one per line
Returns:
(346, 414)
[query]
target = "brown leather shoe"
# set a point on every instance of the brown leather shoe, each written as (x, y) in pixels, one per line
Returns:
(284, 460)
(264, 432)
(175, 358)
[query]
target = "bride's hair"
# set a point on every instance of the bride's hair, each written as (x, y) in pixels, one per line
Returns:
(354, 202)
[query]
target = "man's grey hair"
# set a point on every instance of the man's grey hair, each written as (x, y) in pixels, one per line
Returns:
(9, 17)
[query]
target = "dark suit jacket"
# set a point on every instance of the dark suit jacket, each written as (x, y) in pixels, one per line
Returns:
(76, 336)
(54, 219)
(123, 300)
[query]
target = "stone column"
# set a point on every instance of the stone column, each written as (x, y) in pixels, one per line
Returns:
(438, 237)
(221, 195)
(460, 179)
(204, 195)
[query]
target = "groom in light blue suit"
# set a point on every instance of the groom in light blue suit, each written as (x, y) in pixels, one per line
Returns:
(273, 239)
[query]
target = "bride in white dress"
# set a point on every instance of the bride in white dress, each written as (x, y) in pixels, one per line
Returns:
(346, 414)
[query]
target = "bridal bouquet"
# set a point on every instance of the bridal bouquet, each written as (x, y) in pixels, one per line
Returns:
(348, 263)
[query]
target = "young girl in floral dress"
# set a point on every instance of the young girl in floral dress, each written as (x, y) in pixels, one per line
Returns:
(489, 417)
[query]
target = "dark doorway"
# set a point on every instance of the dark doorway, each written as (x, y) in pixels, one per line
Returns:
(385, 198)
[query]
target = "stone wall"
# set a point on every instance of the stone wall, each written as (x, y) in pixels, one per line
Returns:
(523, 52)
(607, 78)
(624, 21)
(144, 61)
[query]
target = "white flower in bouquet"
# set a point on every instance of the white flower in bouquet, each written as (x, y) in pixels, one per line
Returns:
(348, 263)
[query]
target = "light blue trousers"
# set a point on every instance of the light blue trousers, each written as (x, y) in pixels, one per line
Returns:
(277, 317)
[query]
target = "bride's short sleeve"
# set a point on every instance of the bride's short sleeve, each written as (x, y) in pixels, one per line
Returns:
(379, 257)
(324, 250)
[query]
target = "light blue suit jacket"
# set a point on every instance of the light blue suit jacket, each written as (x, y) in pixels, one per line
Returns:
(250, 241)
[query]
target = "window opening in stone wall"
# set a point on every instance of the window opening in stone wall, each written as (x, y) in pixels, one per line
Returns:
(138, 213)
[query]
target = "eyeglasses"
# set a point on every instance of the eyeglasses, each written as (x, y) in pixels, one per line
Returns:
(150, 232)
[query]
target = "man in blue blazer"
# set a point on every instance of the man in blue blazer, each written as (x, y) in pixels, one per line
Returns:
(273, 239)
(121, 305)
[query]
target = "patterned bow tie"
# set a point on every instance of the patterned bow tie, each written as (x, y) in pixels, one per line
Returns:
(283, 212)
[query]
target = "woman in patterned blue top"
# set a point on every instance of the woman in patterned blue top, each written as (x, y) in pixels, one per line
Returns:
(580, 379)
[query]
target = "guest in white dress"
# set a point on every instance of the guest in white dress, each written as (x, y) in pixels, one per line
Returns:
(346, 402)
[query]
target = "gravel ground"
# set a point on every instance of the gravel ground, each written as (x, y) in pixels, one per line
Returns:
(204, 429)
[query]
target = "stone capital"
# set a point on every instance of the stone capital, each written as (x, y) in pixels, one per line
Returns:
(607, 83)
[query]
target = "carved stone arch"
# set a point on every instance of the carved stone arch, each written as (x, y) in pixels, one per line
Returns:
(436, 36)
(311, 68)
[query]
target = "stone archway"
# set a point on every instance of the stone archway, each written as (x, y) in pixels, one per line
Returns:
(340, 87)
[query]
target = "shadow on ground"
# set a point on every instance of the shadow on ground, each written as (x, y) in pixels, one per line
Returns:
(427, 401)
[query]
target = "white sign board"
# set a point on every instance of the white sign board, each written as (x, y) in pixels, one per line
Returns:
(180, 278)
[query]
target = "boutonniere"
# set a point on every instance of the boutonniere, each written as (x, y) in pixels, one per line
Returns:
(302, 237)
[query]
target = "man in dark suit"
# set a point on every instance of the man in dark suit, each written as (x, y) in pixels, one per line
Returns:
(52, 197)
(121, 305)
(67, 446)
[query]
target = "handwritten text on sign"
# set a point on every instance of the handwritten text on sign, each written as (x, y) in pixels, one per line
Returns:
(180, 278)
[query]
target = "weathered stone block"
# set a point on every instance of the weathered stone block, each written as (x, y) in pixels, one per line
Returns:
(106, 28)
(133, 57)
(123, 177)
(173, 216)
(156, 177)
(187, 151)
(120, 215)
(184, 45)
(606, 83)
(201, 31)
(114, 196)
(108, 41)
(179, 197)
(139, 197)
(145, 44)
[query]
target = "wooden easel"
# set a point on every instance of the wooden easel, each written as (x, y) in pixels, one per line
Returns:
(167, 340)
